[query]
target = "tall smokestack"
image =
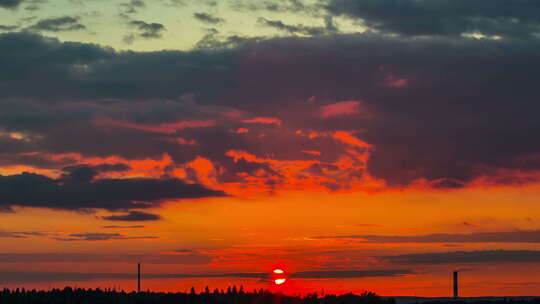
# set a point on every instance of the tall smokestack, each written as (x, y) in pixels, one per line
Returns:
(456, 293)
(138, 277)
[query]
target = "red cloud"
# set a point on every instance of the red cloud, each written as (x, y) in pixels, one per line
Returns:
(347, 138)
(395, 82)
(166, 128)
(263, 120)
(317, 153)
(340, 108)
(241, 131)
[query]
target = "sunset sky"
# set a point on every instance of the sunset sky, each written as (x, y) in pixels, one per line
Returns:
(356, 144)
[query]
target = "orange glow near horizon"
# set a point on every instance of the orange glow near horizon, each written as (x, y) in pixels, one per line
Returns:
(285, 232)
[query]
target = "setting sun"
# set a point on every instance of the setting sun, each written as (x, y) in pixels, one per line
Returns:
(278, 271)
(280, 281)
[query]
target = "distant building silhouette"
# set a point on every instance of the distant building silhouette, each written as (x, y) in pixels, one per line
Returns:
(456, 291)
(138, 277)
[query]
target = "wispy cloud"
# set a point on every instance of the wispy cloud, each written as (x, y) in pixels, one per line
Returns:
(133, 216)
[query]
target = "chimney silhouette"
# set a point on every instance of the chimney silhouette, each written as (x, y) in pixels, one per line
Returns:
(456, 291)
(138, 277)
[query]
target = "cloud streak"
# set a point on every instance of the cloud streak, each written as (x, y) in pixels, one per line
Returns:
(471, 257)
(520, 236)
(34, 190)
(27, 277)
(133, 216)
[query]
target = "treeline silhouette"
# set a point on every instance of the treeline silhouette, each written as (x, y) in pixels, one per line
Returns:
(232, 295)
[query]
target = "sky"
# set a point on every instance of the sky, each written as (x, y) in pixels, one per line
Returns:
(356, 144)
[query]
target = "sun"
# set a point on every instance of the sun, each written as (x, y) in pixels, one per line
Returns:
(279, 277)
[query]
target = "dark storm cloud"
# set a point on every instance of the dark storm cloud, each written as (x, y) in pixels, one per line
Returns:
(33, 190)
(469, 109)
(58, 24)
(207, 18)
(133, 216)
(10, 3)
(462, 257)
(510, 18)
(524, 236)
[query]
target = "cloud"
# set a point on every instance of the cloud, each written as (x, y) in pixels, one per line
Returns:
(183, 250)
(101, 237)
(432, 131)
(145, 31)
(86, 173)
(123, 227)
(207, 18)
(133, 216)
(8, 28)
(66, 257)
(340, 108)
(297, 29)
(263, 120)
(275, 6)
(441, 17)
(26, 277)
(346, 274)
(132, 7)
(20, 234)
(10, 4)
(519, 236)
(58, 24)
(34, 5)
(462, 257)
(34, 190)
